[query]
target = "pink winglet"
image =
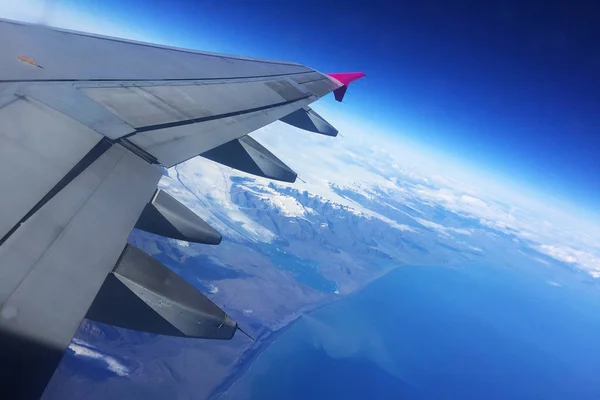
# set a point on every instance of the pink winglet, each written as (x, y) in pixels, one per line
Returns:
(344, 78)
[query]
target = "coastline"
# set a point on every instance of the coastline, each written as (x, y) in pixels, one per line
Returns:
(264, 340)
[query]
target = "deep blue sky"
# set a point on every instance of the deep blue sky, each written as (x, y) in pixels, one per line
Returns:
(513, 86)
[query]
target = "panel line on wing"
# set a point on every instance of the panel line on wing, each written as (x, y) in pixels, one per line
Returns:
(153, 79)
(214, 117)
(137, 150)
(100, 148)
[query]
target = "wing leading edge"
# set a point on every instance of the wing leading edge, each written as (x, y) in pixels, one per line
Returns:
(83, 127)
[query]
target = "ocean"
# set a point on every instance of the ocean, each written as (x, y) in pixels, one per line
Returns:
(441, 333)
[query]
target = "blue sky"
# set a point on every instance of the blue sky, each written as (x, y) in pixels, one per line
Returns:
(506, 86)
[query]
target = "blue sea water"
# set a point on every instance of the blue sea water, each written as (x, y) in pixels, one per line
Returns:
(441, 333)
(304, 271)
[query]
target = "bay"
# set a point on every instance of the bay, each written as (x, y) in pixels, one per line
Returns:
(440, 333)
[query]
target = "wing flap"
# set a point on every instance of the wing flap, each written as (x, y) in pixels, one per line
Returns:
(174, 145)
(55, 263)
(38, 147)
(70, 101)
(148, 104)
(57, 260)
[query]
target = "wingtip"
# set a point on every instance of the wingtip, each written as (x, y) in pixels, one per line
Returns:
(345, 78)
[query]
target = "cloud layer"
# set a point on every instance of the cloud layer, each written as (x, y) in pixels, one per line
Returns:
(85, 350)
(375, 167)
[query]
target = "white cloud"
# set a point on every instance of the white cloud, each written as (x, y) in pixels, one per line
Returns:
(443, 230)
(327, 165)
(582, 259)
(212, 289)
(211, 185)
(205, 187)
(86, 350)
(286, 205)
(558, 253)
(467, 245)
(180, 243)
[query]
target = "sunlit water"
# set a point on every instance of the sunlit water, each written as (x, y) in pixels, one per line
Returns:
(440, 333)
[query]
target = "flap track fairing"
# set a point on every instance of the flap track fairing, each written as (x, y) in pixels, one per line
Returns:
(247, 155)
(166, 216)
(144, 295)
(307, 119)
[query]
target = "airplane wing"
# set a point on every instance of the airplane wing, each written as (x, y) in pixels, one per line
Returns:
(84, 122)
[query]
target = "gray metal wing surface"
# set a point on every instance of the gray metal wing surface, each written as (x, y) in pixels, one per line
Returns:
(84, 122)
